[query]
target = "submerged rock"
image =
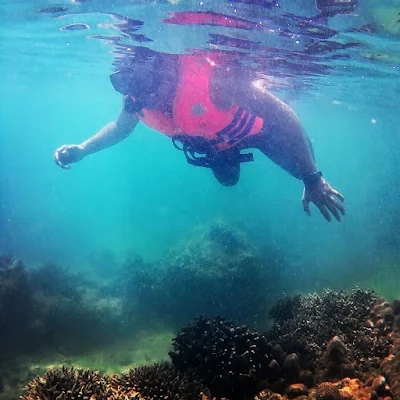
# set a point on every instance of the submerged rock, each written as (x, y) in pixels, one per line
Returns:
(296, 390)
(278, 354)
(337, 363)
(291, 367)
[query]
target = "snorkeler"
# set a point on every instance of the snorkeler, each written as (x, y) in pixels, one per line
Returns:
(212, 110)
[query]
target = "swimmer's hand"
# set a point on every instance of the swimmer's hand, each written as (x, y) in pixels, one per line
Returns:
(323, 196)
(67, 154)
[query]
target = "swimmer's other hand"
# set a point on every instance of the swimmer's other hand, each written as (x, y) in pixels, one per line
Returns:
(323, 196)
(68, 154)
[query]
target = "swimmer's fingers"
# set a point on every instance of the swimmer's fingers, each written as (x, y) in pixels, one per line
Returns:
(306, 207)
(321, 207)
(61, 150)
(324, 211)
(337, 205)
(330, 204)
(327, 200)
(63, 166)
(334, 211)
(337, 194)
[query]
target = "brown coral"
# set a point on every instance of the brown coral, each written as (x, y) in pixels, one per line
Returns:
(391, 364)
(158, 381)
(68, 383)
(328, 391)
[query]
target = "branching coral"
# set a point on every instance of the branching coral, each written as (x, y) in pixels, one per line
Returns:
(68, 384)
(158, 382)
(316, 319)
(231, 359)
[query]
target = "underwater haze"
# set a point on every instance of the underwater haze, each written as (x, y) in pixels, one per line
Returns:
(335, 63)
(141, 196)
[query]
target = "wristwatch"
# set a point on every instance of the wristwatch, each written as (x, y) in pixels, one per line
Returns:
(312, 178)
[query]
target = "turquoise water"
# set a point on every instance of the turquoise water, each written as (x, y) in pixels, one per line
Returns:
(141, 197)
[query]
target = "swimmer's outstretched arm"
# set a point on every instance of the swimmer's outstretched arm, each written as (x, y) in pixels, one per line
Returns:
(112, 133)
(287, 144)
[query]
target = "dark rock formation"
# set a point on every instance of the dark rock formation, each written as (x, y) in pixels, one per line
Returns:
(278, 354)
(291, 367)
(336, 362)
(306, 377)
(296, 390)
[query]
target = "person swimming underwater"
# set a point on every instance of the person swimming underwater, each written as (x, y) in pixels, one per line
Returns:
(212, 109)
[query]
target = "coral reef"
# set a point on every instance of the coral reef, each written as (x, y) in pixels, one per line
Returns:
(230, 359)
(48, 306)
(377, 382)
(334, 345)
(305, 326)
(391, 364)
(285, 309)
(235, 362)
(209, 347)
(68, 383)
(216, 271)
(16, 306)
(140, 286)
(153, 382)
(327, 391)
(345, 389)
(157, 382)
(45, 310)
